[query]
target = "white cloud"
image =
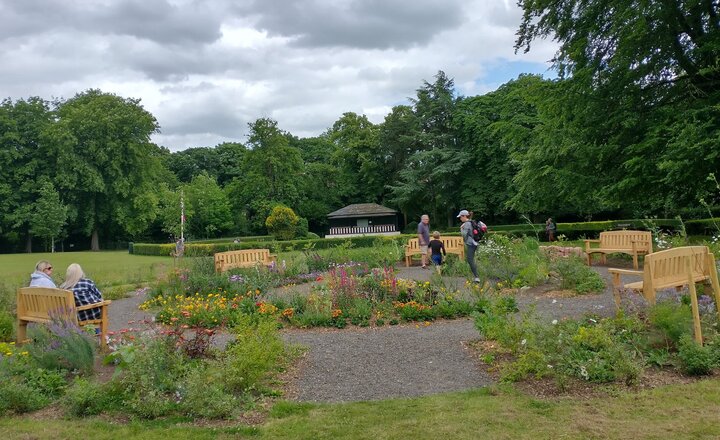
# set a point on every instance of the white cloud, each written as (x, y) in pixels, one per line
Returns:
(206, 69)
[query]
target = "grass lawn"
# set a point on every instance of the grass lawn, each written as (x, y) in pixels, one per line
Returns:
(116, 270)
(678, 411)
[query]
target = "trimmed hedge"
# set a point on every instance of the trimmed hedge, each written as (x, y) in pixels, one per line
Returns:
(585, 229)
(707, 226)
(208, 249)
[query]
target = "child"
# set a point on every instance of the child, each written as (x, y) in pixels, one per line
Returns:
(436, 246)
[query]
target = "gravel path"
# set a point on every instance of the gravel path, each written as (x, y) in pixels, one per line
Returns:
(382, 363)
(395, 361)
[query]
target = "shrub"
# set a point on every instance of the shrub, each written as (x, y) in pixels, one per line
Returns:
(49, 383)
(61, 345)
(576, 275)
(85, 398)
(18, 397)
(7, 326)
(256, 352)
(201, 395)
(282, 223)
(672, 319)
(360, 312)
(695, 359)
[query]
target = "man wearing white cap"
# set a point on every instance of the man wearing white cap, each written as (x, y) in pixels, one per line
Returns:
(470, 243)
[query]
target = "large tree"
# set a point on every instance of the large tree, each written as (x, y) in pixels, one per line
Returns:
(270, 174)
(430, 180)
(106, 165)
(26, 160)
(638, 110)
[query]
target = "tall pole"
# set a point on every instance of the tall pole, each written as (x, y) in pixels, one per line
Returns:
(182, 216)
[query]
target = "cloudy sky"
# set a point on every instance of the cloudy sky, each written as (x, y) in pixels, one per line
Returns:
(207, 68)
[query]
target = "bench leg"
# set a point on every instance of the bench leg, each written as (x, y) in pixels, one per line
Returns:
(616, 290)
(714, 281)
(21, 331)
(694, 303)
(407, 261)
(104, 328)
(635, 261)
(603, 259)
(589, 259)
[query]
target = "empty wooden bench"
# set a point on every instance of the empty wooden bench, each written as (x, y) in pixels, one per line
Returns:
(453, 245)
(673, 268)
(36, 304)
(627, 242)
(243, 258)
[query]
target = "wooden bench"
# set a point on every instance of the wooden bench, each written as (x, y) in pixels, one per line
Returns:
(673, 268)
(627, 242)
(35, 304)
(243, 258)
(453, 245)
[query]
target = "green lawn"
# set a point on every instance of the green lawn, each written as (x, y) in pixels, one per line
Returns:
(117, 270)
(679, 411)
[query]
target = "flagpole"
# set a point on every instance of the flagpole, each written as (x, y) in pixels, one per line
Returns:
(182, 216)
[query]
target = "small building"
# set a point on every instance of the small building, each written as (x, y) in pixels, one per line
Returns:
(363, 219)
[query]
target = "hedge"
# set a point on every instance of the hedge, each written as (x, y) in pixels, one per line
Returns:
(207, 249)
(586, 229)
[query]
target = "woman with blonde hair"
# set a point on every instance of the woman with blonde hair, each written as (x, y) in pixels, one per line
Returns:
(42, 275)
(84, 290)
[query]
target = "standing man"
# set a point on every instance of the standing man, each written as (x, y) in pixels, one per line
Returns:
(466, 230)
(424, 238)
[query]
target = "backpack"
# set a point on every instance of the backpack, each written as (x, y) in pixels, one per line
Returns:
(478, 230)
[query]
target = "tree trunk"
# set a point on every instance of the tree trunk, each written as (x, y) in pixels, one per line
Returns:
(95, 241)
(28, 244)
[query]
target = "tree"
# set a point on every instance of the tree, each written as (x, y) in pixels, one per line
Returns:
(497, 129)
(270, 174)
(27, 158)
(358, 156)
(207, 208)
(282, 223)
(107, 168)
(642, 87)
(48, 214)
(430, 180)
(654, 45)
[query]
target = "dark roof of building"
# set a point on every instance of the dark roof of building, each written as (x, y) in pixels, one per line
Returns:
(362, 210)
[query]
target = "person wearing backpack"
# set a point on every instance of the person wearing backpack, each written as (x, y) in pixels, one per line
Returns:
(471, 244)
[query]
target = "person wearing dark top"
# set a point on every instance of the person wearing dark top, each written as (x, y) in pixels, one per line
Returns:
(437, 249)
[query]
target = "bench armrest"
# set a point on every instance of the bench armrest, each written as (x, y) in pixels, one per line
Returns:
(591, 240)
(626, 272)
(94, 305)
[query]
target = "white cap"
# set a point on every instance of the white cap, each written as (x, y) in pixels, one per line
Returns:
(464, 212)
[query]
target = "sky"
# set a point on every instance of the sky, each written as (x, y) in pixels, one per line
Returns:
(205, 69)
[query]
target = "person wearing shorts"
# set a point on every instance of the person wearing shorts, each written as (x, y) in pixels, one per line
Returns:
(437, 251)
(424, 238)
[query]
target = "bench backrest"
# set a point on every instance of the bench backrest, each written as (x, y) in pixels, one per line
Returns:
(36, 303)
(625, 239)
(450, 242)
(667, 268)
(242, 258)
